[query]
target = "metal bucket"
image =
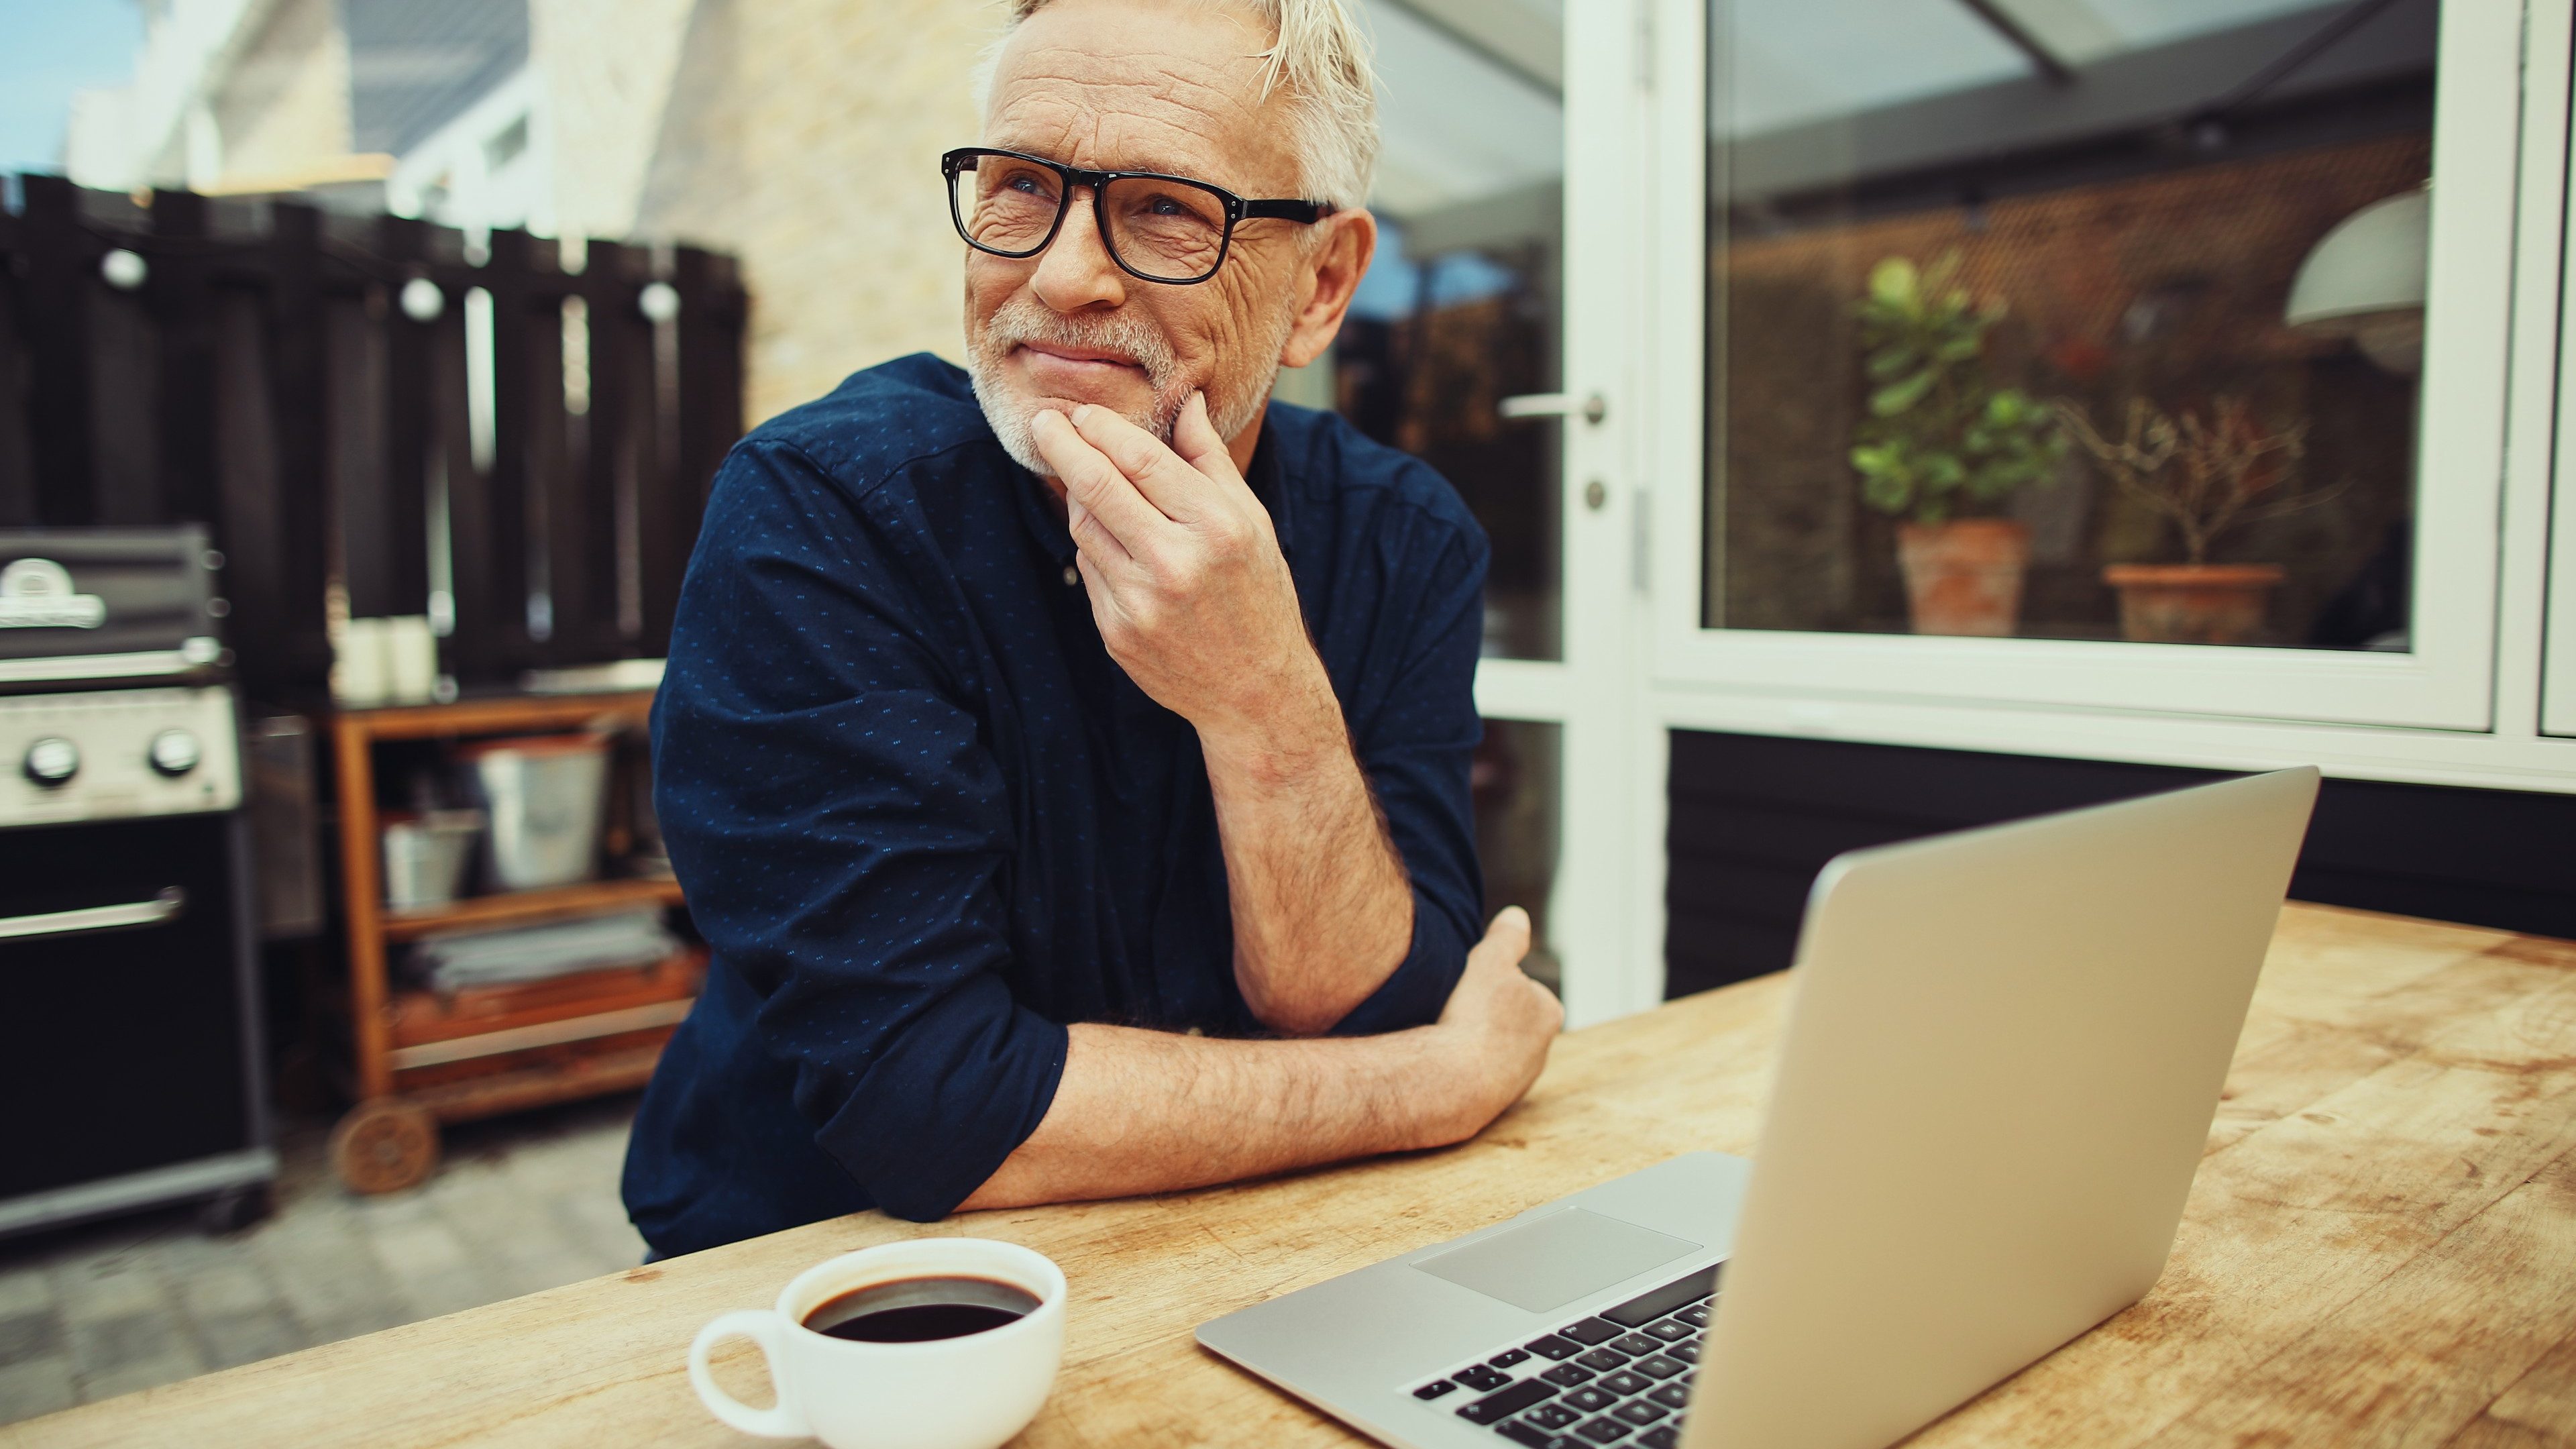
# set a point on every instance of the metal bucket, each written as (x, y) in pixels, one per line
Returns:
(544, 797)
(425, 858)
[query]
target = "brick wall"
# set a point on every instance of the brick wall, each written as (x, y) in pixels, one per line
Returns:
(284, 106)
(804, 137)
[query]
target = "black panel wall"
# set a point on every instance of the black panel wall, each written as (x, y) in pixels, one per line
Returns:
(1755, 817)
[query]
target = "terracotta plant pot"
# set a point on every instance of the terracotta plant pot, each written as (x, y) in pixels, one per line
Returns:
(1964, 576)
(2192, 603)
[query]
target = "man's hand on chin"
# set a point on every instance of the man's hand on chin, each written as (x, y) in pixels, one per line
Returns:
(1192, 595)
(1195, 602)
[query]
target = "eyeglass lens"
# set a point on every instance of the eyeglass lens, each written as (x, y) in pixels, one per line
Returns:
(1167, 230)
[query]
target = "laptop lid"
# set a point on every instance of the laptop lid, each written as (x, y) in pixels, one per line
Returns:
(1996, 1080)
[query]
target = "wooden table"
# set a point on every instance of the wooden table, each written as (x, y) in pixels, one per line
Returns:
(2380, 1249)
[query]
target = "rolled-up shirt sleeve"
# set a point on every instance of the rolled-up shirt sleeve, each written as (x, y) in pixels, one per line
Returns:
(840, 827)
(1416, 742)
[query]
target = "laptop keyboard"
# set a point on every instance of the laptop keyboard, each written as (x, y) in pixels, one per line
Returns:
(1621, 1376)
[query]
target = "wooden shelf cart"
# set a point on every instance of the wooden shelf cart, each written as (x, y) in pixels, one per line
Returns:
(422, 1058)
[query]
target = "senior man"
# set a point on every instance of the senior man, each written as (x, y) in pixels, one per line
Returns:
(1067, 757)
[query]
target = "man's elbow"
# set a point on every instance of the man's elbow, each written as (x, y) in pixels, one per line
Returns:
(1305, 1009)
(1295, 1017)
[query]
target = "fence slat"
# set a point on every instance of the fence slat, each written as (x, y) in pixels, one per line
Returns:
(183, 305)
(60, 269)
(475, 651)
(17, 356)
(299, 652)
(406, 413)
(354, 392)
(602, 492)
(248, 524)
(712, 313)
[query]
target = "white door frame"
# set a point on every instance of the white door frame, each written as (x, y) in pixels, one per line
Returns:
(1605, 913)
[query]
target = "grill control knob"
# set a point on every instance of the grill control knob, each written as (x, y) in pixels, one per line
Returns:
(52, 761)
(175, 753)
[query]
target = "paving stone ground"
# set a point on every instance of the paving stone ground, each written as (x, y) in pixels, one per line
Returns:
(520, 1204)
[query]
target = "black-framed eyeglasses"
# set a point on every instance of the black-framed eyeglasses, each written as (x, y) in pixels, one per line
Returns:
(1157, 228)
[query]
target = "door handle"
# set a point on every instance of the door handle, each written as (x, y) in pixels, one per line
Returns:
(1592, 407)
(164, 907)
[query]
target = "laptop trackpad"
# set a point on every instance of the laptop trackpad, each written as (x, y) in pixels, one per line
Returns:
(1555, 1260)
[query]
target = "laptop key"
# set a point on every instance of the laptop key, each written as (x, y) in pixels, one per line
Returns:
(1672, 1396)
(1639, 1412)
(1508, 1357)
(1480, 1378)
(1520, 1433)
(1666, 1437)
(1658, 1366)
(1686, 1352)
(1604, 1431)
(1633, 1344)
(1590, 1399)
(1696, 1315)
(1589, 1331)
(1553, 1347)
(1624, 1382)
(1603, 1360)
(1434, 1389)
(1645, 1308)
(1552, 1416)
(1566, 1375)
(1495, 1407)
(1668, 1330)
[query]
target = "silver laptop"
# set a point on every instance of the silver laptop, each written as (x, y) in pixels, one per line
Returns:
(1996, 1079)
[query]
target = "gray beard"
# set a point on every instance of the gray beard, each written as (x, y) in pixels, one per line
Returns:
(1023, 319)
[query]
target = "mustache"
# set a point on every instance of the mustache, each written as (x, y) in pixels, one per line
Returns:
(1023, 320)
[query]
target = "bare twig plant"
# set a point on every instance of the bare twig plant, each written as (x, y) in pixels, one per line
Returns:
(2208, 475)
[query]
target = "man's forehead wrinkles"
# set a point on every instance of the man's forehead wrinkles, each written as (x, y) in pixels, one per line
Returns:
(1141, 124)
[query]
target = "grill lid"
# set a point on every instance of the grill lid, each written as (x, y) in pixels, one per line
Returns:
(107, 603)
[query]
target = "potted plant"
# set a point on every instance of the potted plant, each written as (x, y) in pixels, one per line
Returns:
(1944, 447)
(2208, 475)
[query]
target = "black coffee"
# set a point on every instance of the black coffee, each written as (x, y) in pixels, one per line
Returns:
(911, 1310)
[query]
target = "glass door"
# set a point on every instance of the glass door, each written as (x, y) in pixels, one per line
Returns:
(2142, 354)
(1457, 351)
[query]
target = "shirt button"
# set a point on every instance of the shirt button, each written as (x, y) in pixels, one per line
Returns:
(1072, 576)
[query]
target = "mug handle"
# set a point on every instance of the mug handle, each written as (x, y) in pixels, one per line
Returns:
(762, 1326)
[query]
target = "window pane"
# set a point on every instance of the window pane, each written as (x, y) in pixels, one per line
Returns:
(1460, 308)
(2102, 322)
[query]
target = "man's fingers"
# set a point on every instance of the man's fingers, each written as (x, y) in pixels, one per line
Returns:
(1196, 440)
(1509, 935)
(1090, 477)
(1173, 486)
(1090, 535)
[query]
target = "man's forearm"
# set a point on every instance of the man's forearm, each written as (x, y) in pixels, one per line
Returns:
(1145, 1111)
(1322, 911)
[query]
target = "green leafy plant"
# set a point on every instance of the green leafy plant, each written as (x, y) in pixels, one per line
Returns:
(1941, 438)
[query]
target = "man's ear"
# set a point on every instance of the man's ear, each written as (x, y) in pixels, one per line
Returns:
(1334, 273)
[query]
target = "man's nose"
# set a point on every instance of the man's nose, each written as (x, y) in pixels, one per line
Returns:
(1075, 270)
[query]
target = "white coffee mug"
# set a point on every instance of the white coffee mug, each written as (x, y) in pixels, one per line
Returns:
(970, 1392)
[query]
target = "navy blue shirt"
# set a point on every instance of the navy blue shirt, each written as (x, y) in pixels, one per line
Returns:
(925, 821)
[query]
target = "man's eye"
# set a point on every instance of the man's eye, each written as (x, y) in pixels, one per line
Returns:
(1027, 185)
(1166, 206)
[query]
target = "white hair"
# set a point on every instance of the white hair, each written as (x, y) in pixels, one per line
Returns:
(1320, 55)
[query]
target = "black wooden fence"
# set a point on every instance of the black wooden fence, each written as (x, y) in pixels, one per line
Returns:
(351, 403)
